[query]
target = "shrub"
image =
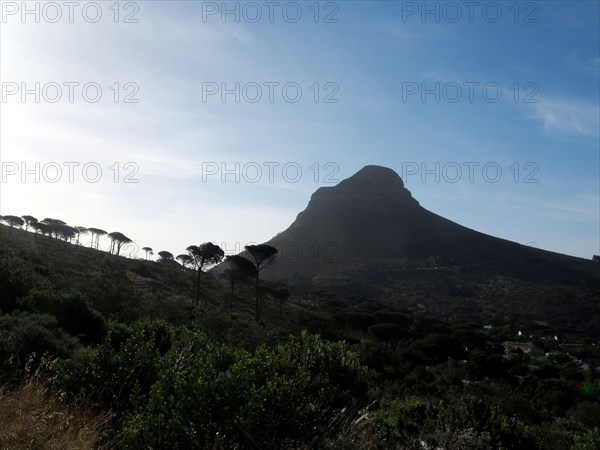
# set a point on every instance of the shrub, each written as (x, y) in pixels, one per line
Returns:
(16, 279)
(23, 334)
(470, 423)
(465, 423)
(72, 311)
(387, 332)
(400, 421)
(207, 395)
(117, 376)
(588, 440)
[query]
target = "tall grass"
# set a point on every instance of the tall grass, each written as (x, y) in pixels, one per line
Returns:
(31, 418)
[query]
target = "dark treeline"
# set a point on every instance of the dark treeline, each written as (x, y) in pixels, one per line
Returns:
(198, 258)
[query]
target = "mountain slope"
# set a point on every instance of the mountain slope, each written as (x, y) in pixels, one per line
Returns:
(370, 221)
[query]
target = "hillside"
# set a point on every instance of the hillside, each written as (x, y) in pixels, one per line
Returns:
(118, 343)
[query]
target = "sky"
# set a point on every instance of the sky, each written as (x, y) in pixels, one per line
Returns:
(178, 123)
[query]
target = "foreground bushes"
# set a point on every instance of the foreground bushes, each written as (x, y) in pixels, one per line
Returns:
(207, 395)
(49, 323)
(470, 423)
(16, 279)
(119, 370)
(24, 336)
(181, 390)
(174, 387)
(72, 311)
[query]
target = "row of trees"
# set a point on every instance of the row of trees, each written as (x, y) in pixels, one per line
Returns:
(198, 257)
(60, 230)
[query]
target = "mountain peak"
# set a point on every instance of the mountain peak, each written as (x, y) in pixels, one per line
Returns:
(363, 232)
(370, 187)
(377, 174)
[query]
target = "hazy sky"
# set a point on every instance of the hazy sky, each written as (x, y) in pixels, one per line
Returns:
(136, 120)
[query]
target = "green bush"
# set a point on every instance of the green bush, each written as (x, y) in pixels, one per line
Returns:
(118, 332)
(587, 440)
(293, 390)
(72, 311)
(186, 405)
(470, 423)
(354, 319)
(16, 279)
(401, 421)
(394, 317)
(117, 375)
(435, 347)
(388, 332)
(207, 395)
(23, 334)
(465, 423)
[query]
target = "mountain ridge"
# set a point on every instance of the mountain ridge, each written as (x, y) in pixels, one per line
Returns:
(371, 222)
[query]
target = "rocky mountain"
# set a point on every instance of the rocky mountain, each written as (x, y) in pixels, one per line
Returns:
(371, 220)
(368, 236)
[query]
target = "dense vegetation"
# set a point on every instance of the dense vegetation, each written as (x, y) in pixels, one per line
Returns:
(156, 355)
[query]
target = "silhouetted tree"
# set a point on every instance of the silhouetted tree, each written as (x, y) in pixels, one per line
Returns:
(185, 260)
(165, 256)
(13, 221)
(148, 251)
(262, 255)
(203, 254)
(239, 268)
(54, 221)
(29, 221)
(78, 232)
(596, 258)
(56, 228)
(96, 234)
(41, 228)
(117, 240)
(65, 232)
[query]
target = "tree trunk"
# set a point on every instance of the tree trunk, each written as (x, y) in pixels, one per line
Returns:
(198, 287)
(257, 299)
(193, 288)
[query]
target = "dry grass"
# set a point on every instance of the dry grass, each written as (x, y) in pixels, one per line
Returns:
(32, 419)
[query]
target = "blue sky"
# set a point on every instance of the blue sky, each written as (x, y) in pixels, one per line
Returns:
(545, 142)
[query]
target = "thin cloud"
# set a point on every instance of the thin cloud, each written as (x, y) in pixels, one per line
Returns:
(569, 117)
